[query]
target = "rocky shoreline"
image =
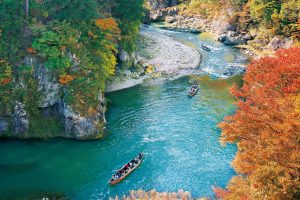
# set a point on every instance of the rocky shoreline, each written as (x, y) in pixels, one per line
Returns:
(166, 55)
(177, 19)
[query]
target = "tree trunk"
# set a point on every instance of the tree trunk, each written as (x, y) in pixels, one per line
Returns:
(27, 8)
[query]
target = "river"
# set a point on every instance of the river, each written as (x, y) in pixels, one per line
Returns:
(178, 135)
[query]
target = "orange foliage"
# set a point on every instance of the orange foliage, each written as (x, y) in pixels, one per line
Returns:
(5, 81)
(31, 50)
(220, 193)
(108, 24)
(65, 79)
(266, 127)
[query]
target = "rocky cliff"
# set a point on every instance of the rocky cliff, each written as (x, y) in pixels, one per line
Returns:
(52, 106)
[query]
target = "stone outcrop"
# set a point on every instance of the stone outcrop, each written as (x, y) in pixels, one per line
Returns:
(157, 9)
(277, 43)
(195, 24)
(233, 70)
(4, 124)
(53, 105)
(234, 38)
(84, 127)
(20, 119)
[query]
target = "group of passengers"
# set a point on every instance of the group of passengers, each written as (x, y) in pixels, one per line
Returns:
(122, 172)
(193, 89)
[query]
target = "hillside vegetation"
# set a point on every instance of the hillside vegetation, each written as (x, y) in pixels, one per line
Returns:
(263, 18)
(76, 41)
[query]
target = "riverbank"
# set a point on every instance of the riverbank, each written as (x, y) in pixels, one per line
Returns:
(166, 55)
(227, 23)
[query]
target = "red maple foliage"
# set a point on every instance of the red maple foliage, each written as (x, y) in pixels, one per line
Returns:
(266, 128)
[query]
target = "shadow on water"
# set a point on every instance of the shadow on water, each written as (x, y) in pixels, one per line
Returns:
(15, 168)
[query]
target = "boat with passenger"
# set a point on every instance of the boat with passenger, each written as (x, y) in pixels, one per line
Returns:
(129, 167)
(193, 91)
(205, 47)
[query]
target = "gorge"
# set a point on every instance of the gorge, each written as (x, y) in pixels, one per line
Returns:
(81, 93)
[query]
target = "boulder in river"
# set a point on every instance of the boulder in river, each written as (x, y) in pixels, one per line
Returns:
(233, 70)
(232, 38)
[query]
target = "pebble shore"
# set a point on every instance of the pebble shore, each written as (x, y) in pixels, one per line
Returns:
(166, 54)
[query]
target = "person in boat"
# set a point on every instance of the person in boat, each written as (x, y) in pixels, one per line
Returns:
(131, 164)
(127, 167)
(140, 156)
(192, 90)
(116, 177)
(121, 172)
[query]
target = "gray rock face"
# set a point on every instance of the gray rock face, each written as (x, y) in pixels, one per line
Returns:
(47, 85)
(230, 40)
(160, 14)
(147, 17)
(277, 43)
(233, 38)
(159, 4)
(51, 105)
(195, 24)
(84, 127)
(4, 124)
(125, 57)
(20, 119)
(233, 70)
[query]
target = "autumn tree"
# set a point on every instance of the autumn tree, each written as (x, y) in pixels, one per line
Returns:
(266, 128)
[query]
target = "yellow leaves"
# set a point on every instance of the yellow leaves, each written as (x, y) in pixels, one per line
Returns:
(150, 69)
(91, 111)
(91, 34)
(65, 79)
(5, 72)
(2, 61)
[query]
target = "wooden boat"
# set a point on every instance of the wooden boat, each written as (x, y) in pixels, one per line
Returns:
(206, 48)
(193, 91)
(137, 160)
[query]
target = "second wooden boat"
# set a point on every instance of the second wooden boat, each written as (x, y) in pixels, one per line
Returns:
(205, 47)
(193, 91)
(129, 167)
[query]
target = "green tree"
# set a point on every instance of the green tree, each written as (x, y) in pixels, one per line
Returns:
(129, 14)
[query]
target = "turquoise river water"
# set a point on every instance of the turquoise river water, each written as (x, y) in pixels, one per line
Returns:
(178, 135)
